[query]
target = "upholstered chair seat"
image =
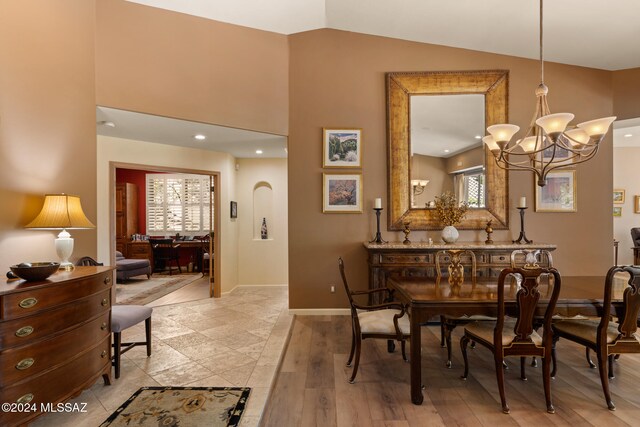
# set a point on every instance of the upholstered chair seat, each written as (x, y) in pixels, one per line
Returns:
(483, 331)
(381, 322)
(586, 330)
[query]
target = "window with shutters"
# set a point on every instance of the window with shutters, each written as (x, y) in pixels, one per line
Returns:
(474, 188)
(177, 203)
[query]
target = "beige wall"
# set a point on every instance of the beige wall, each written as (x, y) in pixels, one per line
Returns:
(170, 64)
(262, 262)
(147, 154)
(435, 170)
(625, 176)
(626, 93)
(468, 159)
(337, 77)
(47, 121)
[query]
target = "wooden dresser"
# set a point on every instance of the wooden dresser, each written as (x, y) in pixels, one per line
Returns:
(54, 339)
(418, 259)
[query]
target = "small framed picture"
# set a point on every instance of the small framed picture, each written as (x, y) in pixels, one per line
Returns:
(341, 148)
(636, 204)
(342, 193)
(559, 194)
(558, 154)
(617, 211)
(234, 209)
(618, 196)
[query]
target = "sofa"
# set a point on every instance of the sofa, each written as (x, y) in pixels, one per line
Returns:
(130, 267)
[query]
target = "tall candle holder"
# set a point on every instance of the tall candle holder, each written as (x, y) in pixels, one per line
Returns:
(523, 235)
(378, 238)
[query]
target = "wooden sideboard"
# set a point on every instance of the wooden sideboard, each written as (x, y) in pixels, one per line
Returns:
(140, 249)
(54, 339)
(418, 259)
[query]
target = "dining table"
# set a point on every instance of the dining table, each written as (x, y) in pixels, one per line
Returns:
(427, 298)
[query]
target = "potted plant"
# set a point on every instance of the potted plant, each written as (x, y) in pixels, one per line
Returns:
(449, 212)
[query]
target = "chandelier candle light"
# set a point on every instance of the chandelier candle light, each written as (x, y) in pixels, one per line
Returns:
(547, 145)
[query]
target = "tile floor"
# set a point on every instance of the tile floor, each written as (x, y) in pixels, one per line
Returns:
(236, 340)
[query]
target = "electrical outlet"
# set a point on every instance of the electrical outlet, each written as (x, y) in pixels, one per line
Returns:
(332, 288)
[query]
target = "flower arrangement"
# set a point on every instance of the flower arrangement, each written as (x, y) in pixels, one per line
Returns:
(448, 210)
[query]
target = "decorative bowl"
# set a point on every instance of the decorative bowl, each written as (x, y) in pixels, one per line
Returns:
(35, 271)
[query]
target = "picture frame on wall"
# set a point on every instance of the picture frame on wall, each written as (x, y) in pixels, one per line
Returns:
(341, 148)
(636, 204)
(618, 196)
(557, 154)
(234, 209)
(617, 211)
(559, 194)
(342, 193)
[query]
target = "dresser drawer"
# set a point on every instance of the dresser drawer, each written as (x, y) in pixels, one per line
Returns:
(25, 330)
(500, 259)
(25, 303)
(19, 363)
(407, 259)
(59, 384)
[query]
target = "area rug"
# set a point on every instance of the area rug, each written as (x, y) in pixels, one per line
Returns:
(181, 407)
(143, 291)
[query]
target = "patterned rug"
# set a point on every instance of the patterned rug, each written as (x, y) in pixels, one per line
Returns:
(181, 407)
(142, 290)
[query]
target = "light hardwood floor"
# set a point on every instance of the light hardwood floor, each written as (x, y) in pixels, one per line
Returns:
(312, 388)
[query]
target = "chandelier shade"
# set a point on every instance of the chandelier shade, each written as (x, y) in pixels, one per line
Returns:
(550, 142)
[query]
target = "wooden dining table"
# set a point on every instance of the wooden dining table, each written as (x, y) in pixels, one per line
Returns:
(429, 298)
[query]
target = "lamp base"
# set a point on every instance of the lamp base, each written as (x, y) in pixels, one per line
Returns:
(64, 249)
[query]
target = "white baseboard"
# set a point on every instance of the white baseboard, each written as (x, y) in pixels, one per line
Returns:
(320, 311)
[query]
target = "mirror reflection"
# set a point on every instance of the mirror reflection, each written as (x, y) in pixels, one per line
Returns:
(446, 148)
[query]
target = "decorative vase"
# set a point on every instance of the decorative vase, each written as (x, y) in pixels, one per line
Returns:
(450, 234)
(263, 230)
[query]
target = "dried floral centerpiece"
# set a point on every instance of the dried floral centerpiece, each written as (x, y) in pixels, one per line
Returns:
(449, 212)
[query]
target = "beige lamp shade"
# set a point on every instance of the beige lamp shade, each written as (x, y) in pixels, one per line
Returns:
(61, 211)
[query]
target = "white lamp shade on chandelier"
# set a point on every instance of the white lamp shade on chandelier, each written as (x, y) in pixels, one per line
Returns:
(550, 142)
(61, 212)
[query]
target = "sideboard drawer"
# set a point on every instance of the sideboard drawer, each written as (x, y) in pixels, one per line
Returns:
(500, 259)
(407, 259)
(23, 331)
(25, 303)
(19, 363)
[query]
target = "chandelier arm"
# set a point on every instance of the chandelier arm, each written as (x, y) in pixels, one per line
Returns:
(521, 166)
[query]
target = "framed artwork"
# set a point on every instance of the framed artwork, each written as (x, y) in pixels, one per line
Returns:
(636, 204)
(617, 211)
(341, 148)
(342, 193)
(559, 194)
(234, 209)
(618, 196)
(562, 155)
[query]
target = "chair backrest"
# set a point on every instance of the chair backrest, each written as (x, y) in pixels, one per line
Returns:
(635, 236)
(527, 297)
(346, 286)
(164, 248)
(531, 258)
(87, 261)
(628, 316)
(457, 259)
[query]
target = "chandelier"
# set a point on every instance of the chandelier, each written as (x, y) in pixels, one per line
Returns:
(548, 144)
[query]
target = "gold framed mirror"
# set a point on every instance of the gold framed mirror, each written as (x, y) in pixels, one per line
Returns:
(401, 87)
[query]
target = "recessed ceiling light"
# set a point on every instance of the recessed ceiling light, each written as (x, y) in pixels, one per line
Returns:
(199, 137)
(478, 137)
(446, 151)
(628, 135)
(106, 123)
(258, 151)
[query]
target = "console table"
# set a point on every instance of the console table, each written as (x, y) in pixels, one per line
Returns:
(418, 259)
(54, 339)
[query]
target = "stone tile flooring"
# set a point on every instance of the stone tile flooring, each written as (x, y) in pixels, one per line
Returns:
(236, 340)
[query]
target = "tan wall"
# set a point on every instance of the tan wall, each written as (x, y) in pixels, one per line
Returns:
(262, 262)
(435, 170)
(625, 176)
(626, 93)
(47, 121)
(468, 159)
(170, 64)
(337, 77)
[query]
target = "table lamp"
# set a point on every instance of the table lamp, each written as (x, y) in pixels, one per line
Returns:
(61, 212)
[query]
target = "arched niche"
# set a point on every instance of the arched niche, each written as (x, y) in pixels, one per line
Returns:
(262, 208)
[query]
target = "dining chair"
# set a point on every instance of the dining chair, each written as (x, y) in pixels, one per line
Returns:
(516, 336)
(457, 259)
(165, 252)
(388, 321)
(605, 336)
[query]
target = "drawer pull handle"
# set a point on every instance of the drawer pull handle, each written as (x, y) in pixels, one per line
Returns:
(25, 364)
(417, 258)
(25, 398)
(391, 259)
(104, 302)
(28, 302)
(107, 280)
(103, 354)
(103, 326)
(24, 331)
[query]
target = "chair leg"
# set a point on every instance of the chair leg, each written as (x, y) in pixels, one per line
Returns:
(463, 347)
(611, 376)
(353, 346)
(546, 379)
(602, 367)
(523, 375)
(147, 331)
(403, 347)
(117, 340)
(534, 362)
(447, 335)
(442, 328)
(589, 361)
(500, 379)
(357, 361)
(553, 356)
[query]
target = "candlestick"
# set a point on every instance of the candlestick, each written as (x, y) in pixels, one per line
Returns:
(378, 238)
(523, 235)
